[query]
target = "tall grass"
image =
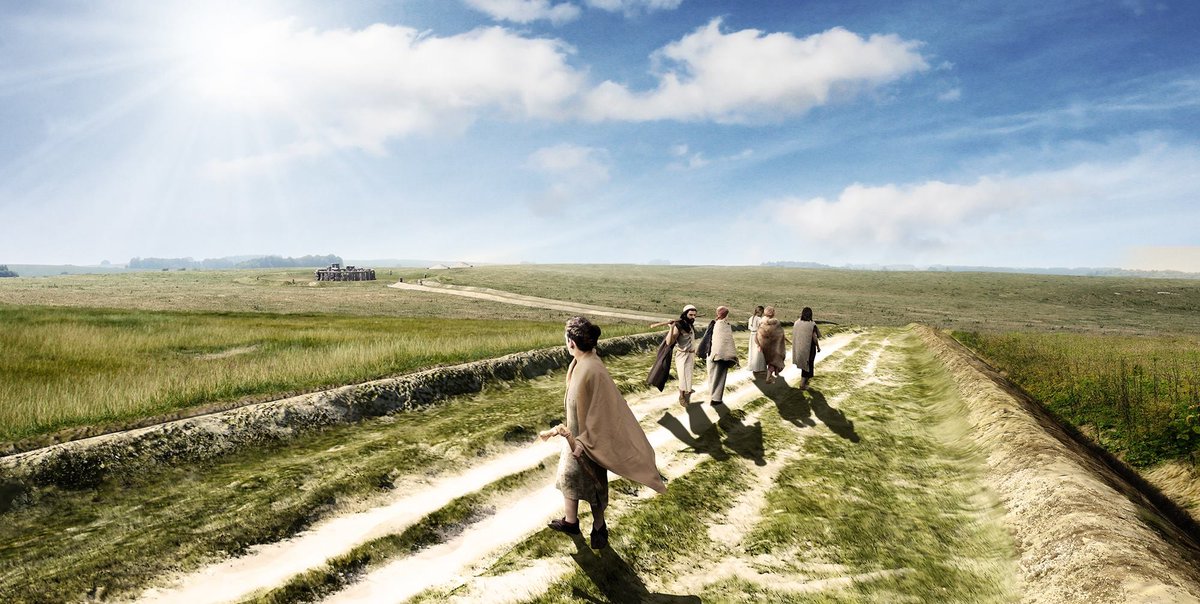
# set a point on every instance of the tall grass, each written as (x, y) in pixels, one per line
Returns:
(67, 367)
(1137, 396)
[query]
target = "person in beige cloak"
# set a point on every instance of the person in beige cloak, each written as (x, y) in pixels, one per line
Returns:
(773, 343)
(601, 435)
(722, 356)
(805, 345)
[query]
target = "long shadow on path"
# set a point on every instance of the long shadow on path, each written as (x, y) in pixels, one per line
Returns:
(707, 440)
(740, 438)
(615, 579)
(799, 406)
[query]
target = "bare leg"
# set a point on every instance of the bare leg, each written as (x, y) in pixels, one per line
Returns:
(571, 510)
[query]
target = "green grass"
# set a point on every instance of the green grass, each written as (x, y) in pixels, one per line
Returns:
(58, 544)
(69, 367)
(905, 497)
(886, 482)
(275, 291)
(1138, 397)
(971, 301)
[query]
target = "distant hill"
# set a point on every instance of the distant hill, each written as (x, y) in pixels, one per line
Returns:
(1074, 272)
(4, 272)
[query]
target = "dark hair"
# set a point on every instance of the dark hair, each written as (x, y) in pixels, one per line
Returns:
(759, 308)
(584, 333)
(806, 314)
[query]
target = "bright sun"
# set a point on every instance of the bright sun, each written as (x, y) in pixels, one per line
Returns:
(232, 56)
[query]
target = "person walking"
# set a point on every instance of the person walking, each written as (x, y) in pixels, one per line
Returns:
(601, 435)
(754, 356)
(722, 356)
(805, 345)
(772, 341)
(683, 336)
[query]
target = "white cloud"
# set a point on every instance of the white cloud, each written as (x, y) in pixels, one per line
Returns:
(951, 95)
(572, 172)
(688, 160)
(576, 163)
(1152, 185)
(527, 11)
(634, 7)
(225, 169)
(359, 88)
(747, 75)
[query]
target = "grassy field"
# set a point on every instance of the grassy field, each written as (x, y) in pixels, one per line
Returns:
(66, 368)
(87, 349)
(59, 545)
(1138, 397)
(277, 291)
(967, 301)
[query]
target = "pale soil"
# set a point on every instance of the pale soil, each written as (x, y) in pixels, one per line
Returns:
(482, 293)
(1080, 533)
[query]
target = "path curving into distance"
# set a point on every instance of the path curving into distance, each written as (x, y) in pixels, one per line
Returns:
(495, 295)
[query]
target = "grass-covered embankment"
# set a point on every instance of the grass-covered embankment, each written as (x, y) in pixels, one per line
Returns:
(1138, 397)
(64, 368)
(60, 545)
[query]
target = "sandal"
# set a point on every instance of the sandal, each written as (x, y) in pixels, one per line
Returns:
(561, 525)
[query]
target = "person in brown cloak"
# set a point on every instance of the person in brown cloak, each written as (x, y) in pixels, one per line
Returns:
(602, 435)
(772, 341)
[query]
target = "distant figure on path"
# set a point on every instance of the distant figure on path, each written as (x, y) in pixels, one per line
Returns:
(683, 336)
(755, 361)
(601, 434)
(772, 342)
(805, 345)
(722, 356)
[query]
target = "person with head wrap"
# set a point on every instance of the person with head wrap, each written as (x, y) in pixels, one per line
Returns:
(722, 355)
(683, 337)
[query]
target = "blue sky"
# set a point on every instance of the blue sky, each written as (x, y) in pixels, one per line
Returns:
(1007, 133)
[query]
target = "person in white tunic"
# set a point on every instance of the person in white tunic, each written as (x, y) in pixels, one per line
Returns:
(754, 358)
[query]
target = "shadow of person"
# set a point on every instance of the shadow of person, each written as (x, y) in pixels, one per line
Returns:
(835, 419)
(790, 402)
(707, 442)
(745, 440)
(615, 579)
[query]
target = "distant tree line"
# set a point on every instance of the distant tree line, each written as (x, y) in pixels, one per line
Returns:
(218, 263)
(4, 272)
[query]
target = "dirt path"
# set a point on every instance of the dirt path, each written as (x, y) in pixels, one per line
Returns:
(269, 565)
(977, 493)
(481, 293)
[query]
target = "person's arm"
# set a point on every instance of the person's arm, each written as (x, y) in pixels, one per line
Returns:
(817, 338)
